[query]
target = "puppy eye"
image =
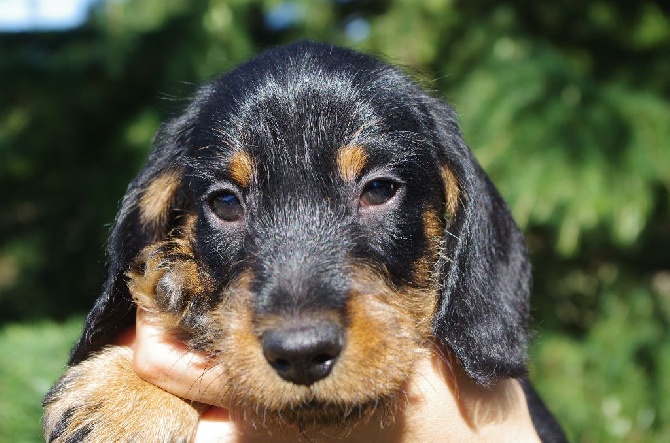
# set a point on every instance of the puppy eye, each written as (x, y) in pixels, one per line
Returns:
(378, 192)
(227, 207)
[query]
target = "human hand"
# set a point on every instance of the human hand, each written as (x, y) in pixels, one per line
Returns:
(166, 362)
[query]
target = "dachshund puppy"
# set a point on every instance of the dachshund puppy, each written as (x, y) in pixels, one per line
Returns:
(313, 223)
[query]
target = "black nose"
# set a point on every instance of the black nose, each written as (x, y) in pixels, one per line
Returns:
(303, 354)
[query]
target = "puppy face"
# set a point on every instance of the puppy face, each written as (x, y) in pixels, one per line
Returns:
(305, 258)
(312, 221)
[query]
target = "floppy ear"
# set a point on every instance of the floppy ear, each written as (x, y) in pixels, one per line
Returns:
(483, 312)
(145, 216)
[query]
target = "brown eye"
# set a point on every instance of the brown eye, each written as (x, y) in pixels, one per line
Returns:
(378, 192)
(227, 207)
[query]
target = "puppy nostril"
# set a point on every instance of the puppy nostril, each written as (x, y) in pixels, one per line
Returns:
(281, 365)
(305, 354)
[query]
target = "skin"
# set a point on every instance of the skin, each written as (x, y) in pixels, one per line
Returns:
(443, 404)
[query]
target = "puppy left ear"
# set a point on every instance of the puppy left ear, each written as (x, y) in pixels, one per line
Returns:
(144, 217)
(483, 313)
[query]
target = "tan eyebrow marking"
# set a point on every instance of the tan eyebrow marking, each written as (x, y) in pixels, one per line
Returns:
(452, 192)
(350, 161)
(157, 198)
(241, 168)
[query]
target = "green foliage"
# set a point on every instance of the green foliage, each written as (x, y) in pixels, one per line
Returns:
(32, 357)
(617, 371)
(565, 104)
(529, 108)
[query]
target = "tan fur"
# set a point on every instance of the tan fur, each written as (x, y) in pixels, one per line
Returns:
(104, 394)
(433, 227)
(241, 168)
(170, 261)
(156, 200)
(451, 190)
(391, 325)
(351, 160)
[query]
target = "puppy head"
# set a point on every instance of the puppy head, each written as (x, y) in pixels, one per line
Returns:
(313, 221)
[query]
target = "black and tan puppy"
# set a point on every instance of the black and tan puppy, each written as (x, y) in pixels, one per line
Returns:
(313, 222)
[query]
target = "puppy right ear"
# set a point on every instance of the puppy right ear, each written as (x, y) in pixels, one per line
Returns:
(483, 312)
(146, 215)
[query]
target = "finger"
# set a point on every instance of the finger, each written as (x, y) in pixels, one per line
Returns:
(167, 363)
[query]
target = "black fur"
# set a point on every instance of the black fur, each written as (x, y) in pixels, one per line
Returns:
(310, 95)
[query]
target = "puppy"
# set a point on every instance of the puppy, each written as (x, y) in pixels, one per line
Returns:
(314, 223)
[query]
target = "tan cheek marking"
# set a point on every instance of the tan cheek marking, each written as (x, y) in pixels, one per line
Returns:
(387, 331)
(157, 198)
(451, 189)
(241, 168)
(425, 266)
(432, 226)
(350, 161)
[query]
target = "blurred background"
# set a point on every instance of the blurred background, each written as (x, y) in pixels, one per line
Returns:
(564, 103)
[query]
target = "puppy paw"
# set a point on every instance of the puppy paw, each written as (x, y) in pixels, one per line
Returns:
(103, 400)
